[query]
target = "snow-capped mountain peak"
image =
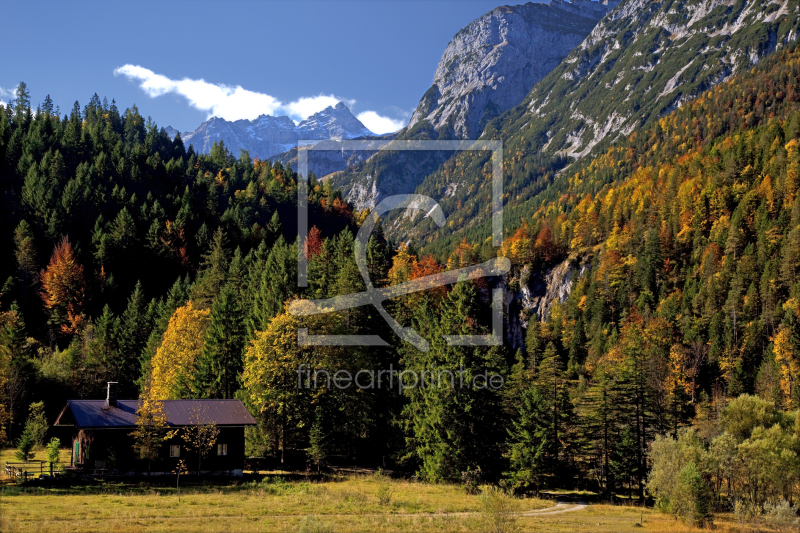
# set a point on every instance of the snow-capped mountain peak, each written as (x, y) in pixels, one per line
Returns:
(267, 135)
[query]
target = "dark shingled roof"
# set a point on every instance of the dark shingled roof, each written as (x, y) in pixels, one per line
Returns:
(96, 414)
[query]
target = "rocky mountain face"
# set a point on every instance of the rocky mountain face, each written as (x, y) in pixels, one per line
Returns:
(492, 64)
(267, 136)
(530, 294)
(487, 68)
(643, 60)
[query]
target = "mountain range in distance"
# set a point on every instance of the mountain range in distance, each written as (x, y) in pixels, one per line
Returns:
(267, 135)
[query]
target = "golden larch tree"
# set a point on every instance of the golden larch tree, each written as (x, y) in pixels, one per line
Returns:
(173, 364)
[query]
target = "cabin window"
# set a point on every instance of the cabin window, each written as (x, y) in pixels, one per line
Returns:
(174, 451)
(222, 449)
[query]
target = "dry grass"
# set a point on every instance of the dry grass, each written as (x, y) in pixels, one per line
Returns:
(351, 505)
(7, 455)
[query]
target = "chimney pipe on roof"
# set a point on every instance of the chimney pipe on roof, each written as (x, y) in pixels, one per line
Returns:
(111, 398)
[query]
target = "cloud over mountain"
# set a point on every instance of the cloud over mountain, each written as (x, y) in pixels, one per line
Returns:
(236, 103)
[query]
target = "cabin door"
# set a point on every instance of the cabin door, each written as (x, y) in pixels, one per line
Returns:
(76, 456)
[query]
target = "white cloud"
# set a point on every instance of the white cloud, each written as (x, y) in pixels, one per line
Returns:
(226, 101)
(378, 124)
(307, 106)
(235, 102)
(6, 93)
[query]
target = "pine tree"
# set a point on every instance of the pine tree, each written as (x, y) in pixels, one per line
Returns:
(214, 272)
(134, 329)
(220, 363)
(278, 283)
(529, 443)
(453, 422)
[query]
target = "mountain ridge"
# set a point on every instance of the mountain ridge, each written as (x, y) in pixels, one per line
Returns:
(268, 135)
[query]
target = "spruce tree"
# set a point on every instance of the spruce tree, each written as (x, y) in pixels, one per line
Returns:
(528, 445)
(220, 363)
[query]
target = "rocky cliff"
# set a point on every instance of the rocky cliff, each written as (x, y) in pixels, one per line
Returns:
(536, 290)
(641, 61)
(487, 68)
(492, 64)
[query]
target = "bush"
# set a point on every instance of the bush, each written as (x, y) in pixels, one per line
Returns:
(781, 516)
(692, 501)
(471, 479)
(497, 511)
(385, 488)
(744, 512)
(53, 450)
(24, 446)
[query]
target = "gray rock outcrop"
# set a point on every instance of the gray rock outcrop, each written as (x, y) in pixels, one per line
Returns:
(492, 64)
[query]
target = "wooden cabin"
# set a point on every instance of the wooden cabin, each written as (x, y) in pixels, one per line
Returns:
(102, 442)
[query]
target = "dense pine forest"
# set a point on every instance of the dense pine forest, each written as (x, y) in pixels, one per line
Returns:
(127, 257)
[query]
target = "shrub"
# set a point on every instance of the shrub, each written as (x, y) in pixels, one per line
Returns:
(744, 512)
(385, 488)
(497, 511)
(471, 479)
(781, 516)
(53, 452)
(692, 499)
(312, 524)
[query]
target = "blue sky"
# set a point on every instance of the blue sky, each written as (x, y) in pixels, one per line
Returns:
(275, 57)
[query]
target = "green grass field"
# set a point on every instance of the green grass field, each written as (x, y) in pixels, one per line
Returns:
(339, 504)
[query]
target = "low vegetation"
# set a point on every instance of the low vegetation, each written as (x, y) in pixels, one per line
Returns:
(336, 504)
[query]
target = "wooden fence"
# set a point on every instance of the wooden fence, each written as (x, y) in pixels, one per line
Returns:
(22, 472)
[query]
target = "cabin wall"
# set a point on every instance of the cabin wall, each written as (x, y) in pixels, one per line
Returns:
(112, 449)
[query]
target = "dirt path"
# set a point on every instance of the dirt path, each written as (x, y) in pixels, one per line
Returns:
(556, 509)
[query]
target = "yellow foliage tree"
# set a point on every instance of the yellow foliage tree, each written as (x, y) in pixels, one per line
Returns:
(173, 364)
(788, 365)
(272, 379)
(402, 266)
(151, 427)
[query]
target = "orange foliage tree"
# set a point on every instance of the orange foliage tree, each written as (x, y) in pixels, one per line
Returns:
(64, 289)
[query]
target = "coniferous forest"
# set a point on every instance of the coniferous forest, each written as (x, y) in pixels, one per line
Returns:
(127, 257)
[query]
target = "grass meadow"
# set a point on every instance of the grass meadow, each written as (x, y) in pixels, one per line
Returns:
(280, 503)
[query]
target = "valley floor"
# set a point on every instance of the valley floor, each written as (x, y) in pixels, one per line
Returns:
(346, 504)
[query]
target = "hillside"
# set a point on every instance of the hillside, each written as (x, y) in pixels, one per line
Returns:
(487, 68)
(642, 61)
(693, 221)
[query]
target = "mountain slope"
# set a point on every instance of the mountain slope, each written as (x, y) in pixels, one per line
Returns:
(267, 136)
(641, 61)
(487, 68)
(691, 225)
(491, 64)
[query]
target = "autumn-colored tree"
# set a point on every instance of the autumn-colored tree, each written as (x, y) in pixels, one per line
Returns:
(64, 289)
(200, 435)
(788, 362)
(152, 430)
(313, 243)
(402, 266)
(173, 364)
(272, 380)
